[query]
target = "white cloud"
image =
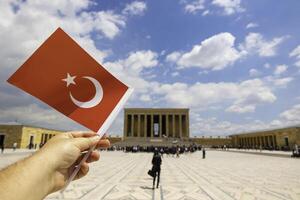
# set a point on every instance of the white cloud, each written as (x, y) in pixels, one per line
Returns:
(241, 109)
(282, 81)
(130, 69)
(174, 74)
(289, 117)
(280, 69)
(292, 115)
(229, 6)
(173, 57)
(296, 53)
(254, 72)
(206, 12)
(33, 114)
(255, 43)
(22, 31)
(216, 53)
(297, 63)
(25, 25)
(135, 8)
(249, 94)
(213, 126)
(251, 25)
(267, 65)
(108, 23)
(145, 98)
(194, 6)
(276, 82)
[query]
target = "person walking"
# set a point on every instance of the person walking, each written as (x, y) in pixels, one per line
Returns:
(203, 153)
(156, 162)
(15, 146)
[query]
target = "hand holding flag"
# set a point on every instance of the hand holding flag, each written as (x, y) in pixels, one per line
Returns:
(64, 76)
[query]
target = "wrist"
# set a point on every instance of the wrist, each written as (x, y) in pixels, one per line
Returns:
(43, 168)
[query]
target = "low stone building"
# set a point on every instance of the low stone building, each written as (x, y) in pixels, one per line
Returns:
(212, 141)
(284, 138)
(25, 136)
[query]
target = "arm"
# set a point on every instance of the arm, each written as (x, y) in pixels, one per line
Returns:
(48, 169)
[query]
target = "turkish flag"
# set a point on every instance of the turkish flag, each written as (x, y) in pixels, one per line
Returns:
(63, 75)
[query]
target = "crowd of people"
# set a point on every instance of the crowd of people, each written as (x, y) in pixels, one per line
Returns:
(168, 150)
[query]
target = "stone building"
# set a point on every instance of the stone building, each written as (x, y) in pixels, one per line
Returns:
(24, 135)
(156, 123)
(284, 138)
(212, 141)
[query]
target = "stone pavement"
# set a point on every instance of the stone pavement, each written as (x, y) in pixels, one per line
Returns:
(262, 152)
(222, 176)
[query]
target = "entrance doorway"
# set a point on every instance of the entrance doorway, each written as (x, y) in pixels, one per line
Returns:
(31, 139)
(2, 138)
(156, 129)
(286, 141)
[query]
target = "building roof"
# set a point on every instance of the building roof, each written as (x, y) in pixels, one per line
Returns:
(157, 110)
(28, 125)
(266, 130)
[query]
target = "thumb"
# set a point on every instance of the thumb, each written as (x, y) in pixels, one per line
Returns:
(85, 143)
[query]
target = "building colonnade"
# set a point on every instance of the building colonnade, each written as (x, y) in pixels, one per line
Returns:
(258, 141)
(160, 124)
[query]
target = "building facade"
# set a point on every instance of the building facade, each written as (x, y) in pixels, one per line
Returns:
(156, 123)
(284, 138)
(24, 135)
(212, 141)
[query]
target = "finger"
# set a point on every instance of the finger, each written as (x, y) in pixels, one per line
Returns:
(82, 134)
(84, 169)
(104, 136)
(103, 143)
(95, 155)
(83, 143)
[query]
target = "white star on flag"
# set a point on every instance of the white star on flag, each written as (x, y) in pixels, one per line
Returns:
(69, 79)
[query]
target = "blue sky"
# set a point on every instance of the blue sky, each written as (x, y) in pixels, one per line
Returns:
(234, 63)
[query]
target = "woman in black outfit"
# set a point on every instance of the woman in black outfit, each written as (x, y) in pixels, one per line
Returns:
(156, 162)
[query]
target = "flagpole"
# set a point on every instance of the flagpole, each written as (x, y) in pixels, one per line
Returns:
(100, 132)
(77, 167)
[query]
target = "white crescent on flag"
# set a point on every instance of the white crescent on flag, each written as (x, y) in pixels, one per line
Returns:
(86, 104)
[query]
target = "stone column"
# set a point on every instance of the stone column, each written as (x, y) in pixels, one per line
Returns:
(125, 126)
(274, 141)
(173, 124)
(139, 126)
(160, 126)
(167, 125)
(187, 126)
(151, 128)
(132, 125)
(180, 126)
(145, 126)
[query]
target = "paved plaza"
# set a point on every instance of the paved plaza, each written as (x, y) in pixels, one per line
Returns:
(222, 176)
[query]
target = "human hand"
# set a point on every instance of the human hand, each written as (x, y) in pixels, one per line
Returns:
(64, 151)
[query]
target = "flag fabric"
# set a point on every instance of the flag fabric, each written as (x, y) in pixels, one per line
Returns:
(64, 76)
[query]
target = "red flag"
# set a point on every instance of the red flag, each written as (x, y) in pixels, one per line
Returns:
(63, 75)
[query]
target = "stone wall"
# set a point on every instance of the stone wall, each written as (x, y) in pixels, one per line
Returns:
(21, 134)
(212, 141)
(12, 134)
(40, 135)
(271, 138)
